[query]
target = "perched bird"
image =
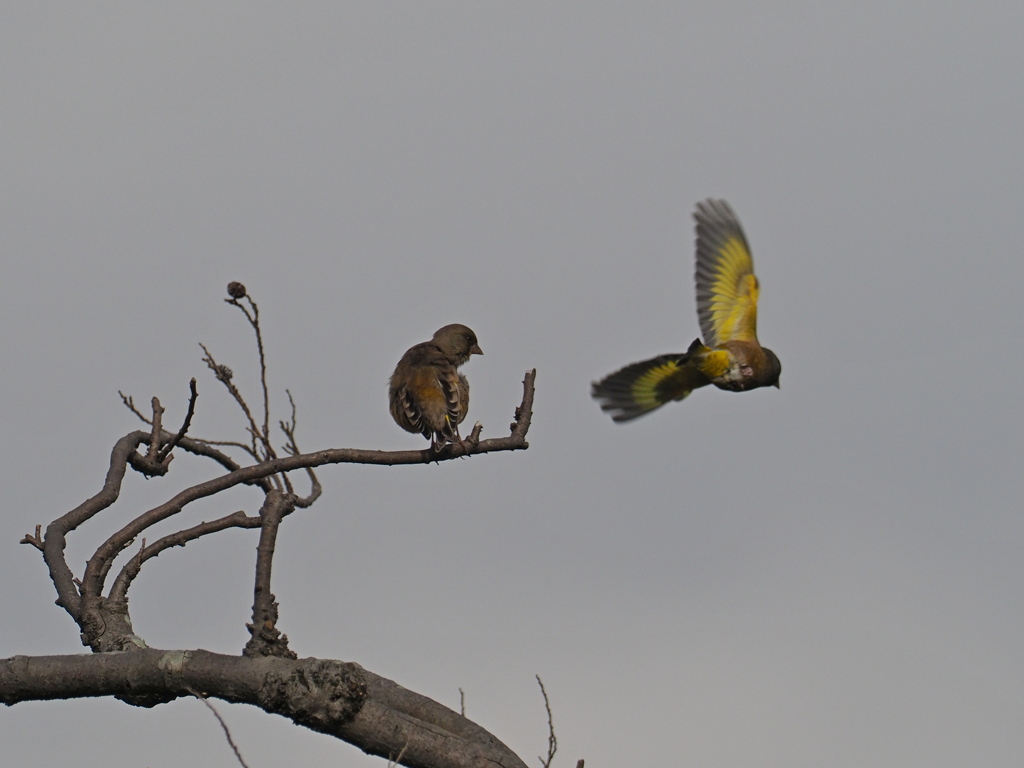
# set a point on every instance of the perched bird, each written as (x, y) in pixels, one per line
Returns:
(427, 393)
(730, 356)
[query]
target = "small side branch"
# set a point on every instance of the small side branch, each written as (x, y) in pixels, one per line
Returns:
(224, 726)
(169, 446)
(223, 374)
(154, 439)
(237, 292)
(157, 459)
(129, 403)
(292, 449)
(552, 741)
(131, 569)
(36, 539)
(524, 413)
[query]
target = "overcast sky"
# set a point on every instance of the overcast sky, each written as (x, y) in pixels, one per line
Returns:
(824, 575)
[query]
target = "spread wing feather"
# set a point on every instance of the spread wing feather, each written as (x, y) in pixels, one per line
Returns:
(727, 288)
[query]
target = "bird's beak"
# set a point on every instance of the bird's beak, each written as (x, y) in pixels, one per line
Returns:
(475, 350)
(777, 385)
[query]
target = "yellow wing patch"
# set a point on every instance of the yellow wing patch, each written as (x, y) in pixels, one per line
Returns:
(726, 286)
(714, 363)
(732, 306)
(649, 389)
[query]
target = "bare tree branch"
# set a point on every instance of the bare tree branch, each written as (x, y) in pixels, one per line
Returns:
(36, 539)
(206, 449)
(237, 292)
(70, 597)
(337, 698)
(129, 403)
(180, 539)
(266, 639)
(157, 422)
(516, 441)
(169, 446)
(224, 726)
(397, 760)
(552, 741)
(292, 449)
(224, 375)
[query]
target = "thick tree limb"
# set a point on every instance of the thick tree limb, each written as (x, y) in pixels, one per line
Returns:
(266, 639)
(338, 698)
(55, 540)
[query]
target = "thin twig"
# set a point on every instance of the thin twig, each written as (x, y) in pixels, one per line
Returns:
(462, 702)
(552, 741)
(235, 444)
(398, 760)
(185, 443)
(254, 321)
(292, 449)
(165, 451)
(227, 732)
(129, 403)
(224, 374)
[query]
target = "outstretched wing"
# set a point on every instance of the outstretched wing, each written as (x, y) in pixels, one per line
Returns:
(641, 387)
(726, 286)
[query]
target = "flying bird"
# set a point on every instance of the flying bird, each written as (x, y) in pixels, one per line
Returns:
(427, 393)
(730, 356)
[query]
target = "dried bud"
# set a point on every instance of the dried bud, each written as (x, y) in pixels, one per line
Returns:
(236, 290)
(224, 373)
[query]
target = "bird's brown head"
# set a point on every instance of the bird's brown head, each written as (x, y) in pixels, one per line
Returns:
(771, 378)
(458, 342)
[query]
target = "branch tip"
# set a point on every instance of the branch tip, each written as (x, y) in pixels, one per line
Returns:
(193, 396)
(35, 540)
(552, 741)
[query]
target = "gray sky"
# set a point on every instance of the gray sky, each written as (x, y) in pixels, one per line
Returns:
(823, 575)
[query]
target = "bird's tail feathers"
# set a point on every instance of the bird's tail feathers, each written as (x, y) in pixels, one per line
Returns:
(642, 387)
